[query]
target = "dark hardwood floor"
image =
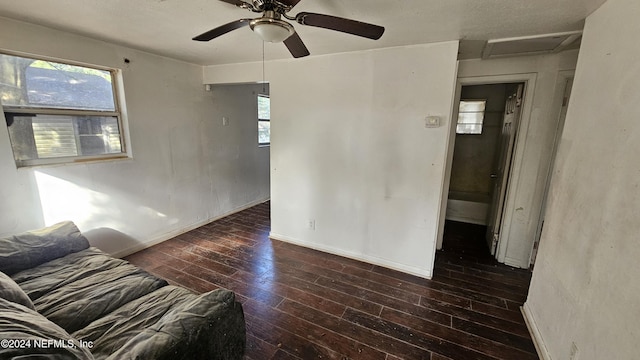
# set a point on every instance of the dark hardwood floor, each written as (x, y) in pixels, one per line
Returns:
(304, 304)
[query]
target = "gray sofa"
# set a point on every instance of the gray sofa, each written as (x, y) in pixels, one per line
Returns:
(62, 299)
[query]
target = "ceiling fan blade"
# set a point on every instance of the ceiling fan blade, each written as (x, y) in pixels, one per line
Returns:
(221, 30)
(296, 46)
(348, 26)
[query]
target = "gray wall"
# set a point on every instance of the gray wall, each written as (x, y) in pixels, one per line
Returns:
(244, 163)
(583, 301)
(185, 169)
(474, 155)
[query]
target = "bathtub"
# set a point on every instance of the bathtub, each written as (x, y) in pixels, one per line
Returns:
(468, 207)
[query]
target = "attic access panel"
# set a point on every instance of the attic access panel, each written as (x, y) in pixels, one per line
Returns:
(530, 45)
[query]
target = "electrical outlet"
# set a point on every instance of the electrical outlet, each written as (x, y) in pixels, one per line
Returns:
(225, 121)
(312, 224)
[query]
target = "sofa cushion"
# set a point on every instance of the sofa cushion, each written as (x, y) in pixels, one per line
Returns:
(60, 272)
(77, 304)
(111, 332)
(10, 291)
(81, 287)
(30, 249)
(20, 322)
(171, 323)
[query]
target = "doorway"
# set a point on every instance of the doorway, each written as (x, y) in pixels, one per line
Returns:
(488, 118)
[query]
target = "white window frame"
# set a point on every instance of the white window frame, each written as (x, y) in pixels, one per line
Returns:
(269, 120)
(119, 113)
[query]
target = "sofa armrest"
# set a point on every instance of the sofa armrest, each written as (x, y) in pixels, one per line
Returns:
(30, 249)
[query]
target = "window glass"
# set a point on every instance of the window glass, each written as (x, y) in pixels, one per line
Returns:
(472, 106)
(264, 120)
(264, 107)
(55, 136)
(471, 116)
(39, 83)
(59, 111)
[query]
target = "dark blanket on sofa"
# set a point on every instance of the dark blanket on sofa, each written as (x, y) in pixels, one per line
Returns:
(19, 326)
(77, 289)
(207, 326)
(84, 295)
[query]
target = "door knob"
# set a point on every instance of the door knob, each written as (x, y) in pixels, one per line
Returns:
(494, 176)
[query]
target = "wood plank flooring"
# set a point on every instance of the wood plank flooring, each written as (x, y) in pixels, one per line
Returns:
(304, 304)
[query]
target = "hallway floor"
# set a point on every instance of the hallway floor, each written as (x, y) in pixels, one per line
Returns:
(467, 240)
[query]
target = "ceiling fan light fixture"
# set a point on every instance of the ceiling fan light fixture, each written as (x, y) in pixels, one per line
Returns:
(272, 30)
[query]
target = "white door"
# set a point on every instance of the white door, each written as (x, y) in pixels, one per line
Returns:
(504, 155)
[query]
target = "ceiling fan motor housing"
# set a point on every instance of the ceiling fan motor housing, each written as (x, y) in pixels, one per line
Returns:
(267, 5)
(271, 28)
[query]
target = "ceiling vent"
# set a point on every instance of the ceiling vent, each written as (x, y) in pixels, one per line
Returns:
(530, 45)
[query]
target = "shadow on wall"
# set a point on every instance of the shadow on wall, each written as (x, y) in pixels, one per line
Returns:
(111, 241)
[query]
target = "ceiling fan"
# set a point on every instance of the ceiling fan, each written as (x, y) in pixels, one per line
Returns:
(270, 27)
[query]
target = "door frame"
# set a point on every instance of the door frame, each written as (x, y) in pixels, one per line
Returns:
(562, 82)
(529, 80)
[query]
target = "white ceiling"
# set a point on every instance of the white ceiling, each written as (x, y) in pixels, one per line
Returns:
(166, 27)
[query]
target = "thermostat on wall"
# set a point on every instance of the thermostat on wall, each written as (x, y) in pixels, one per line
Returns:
(432, 122)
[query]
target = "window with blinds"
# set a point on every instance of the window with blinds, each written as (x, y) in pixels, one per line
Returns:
(471, 116)
(58, 112)
(264, 120)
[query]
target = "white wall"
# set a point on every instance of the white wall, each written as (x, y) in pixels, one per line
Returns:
(533, 149)
(186, 168)
(585, 289)
(351, 152)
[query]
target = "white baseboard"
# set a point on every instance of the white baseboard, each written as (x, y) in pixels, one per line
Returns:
(171, 234)
(355, 256)
(536, 336)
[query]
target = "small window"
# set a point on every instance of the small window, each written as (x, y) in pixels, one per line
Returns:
(471, 116)
(58, 112)
(264, 120)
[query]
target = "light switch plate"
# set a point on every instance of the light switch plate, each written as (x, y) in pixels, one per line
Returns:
(432, 122)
